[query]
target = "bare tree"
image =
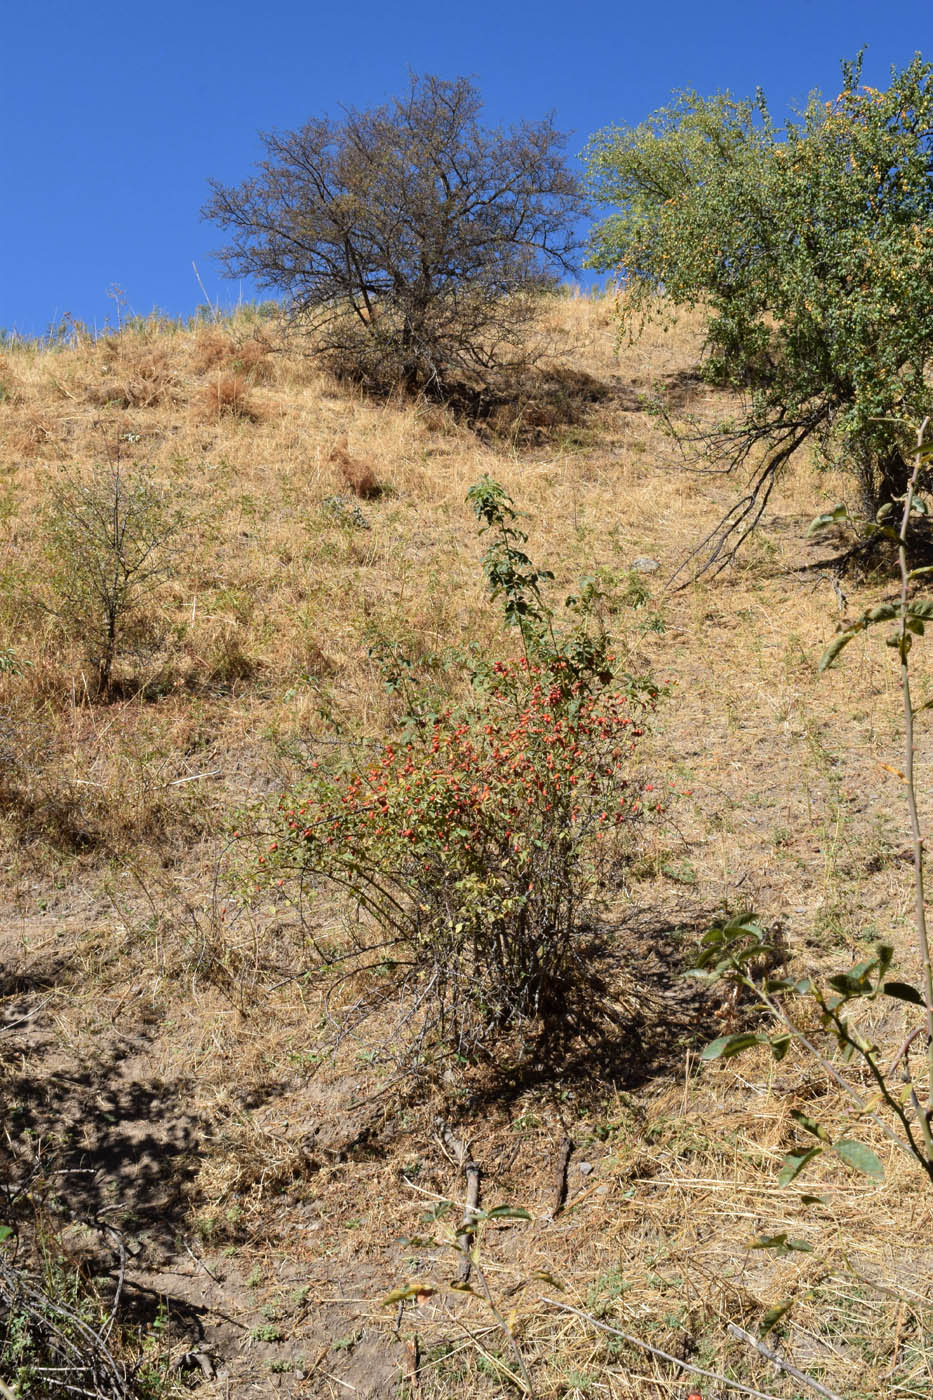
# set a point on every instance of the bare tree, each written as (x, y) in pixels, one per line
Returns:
(408, 238)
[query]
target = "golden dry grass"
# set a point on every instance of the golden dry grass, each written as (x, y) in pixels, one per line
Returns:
(115, 835)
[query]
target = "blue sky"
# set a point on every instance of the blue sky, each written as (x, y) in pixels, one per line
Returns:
(117, 114)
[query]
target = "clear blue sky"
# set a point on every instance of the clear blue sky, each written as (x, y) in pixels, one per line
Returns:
(115, 115)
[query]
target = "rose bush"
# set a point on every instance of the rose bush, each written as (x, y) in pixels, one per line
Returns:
(473, 844)
(477, 845)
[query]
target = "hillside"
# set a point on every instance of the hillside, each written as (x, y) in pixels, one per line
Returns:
(174, 1063)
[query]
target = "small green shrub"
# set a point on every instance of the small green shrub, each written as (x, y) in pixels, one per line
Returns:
(60, 1337)
(108, 538)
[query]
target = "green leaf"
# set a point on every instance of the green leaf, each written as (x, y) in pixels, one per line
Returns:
(883, 612)
(809, 1200)
(770, 1241)
(507, 1213)
(922, 608)
(725, 1046)
(849, 985)
(774, 1315)
(745, 923)
(833, 650)
(829, 517)
(903, 991)
(810, 1125)
(408, 1290)
(781, 1244)
(5, 1232)
(857, 1155)
(794, 1164)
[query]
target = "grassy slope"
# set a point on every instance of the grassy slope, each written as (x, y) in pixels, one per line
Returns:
(228, 1138)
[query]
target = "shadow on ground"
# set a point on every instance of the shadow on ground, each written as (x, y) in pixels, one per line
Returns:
(104, 1147)
(627, 1021)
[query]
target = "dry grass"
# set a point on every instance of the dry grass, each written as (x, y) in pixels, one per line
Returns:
(121, 927)
(226, 395)
(358, 476)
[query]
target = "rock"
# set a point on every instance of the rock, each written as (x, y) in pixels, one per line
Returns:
(584, 1168)
(644, 565)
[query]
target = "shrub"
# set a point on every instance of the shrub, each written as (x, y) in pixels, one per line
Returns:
(406, 237)
(227, 396)
(476, 841)
(59, 1336)
(219, 350)
(108, 537)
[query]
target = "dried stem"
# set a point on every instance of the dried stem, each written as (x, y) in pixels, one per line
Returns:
(779, 1361)
(916, 834)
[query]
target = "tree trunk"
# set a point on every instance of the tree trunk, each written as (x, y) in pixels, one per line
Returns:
(882, 479)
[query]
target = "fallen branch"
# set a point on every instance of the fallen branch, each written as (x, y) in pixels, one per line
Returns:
(779, 1361)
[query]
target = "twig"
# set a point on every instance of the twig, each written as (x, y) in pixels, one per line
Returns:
(121, 1279)
(779, 1361)
(920, 922)
(460, 1153)
(29, 1015)
(918, 1030)
(529, 1388)
(664, 1355)
(560, 1177)
(412, 1364)
(200, 1262)
(496, 1360)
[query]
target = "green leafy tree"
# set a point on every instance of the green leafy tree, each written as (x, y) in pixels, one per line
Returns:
(810, 249)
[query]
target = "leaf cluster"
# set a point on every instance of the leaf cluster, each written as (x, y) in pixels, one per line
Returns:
(734, 951)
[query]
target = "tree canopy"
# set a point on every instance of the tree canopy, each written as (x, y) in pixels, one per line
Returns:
(408, 236)
(810, 248)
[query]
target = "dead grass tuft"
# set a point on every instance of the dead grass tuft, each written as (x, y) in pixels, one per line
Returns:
(134, 376)
(358, 476)
(32, 433)
(11, 390)
(227, 396)
(216, 349)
